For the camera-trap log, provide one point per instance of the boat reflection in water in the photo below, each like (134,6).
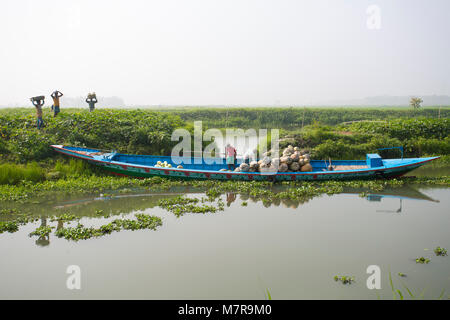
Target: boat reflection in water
(404,193)
(134,202)
(113,206)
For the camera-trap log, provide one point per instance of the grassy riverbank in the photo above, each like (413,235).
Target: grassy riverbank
(25,155)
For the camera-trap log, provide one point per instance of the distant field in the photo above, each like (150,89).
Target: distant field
(274,117)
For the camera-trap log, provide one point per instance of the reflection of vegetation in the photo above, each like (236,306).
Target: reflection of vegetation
(65,217)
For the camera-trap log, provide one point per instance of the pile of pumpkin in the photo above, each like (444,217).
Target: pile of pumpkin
(164,164)
(292,159)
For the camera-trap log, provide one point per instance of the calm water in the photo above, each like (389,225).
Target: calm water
(293,249)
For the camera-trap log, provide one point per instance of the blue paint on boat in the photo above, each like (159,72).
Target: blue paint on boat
(142,166)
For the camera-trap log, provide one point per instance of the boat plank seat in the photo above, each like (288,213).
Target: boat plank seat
(91,153)
(349,167)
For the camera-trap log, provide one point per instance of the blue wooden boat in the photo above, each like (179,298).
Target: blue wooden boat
(143,166)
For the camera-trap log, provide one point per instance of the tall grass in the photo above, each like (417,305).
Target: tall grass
(73,168)
(13,173)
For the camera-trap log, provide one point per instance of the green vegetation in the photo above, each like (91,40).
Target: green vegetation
(423,260)
(291,118)
(80,232)
(300,190)
(268,295)
(344,279)
(131,131)
(8,226)
(181,205)
(42,231)
(322,131)
(440,251)
(12,173)
(149,131)
(397,293)
(419,137)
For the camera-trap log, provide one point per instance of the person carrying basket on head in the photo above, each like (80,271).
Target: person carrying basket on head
(55,107)
(91,101)
(38,102)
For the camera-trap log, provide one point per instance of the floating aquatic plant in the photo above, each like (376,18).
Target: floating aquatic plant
(297,190)
(8,226)
(423,260)
(440,251)
(181,205)
(80,232)
(344,279)
(42,231)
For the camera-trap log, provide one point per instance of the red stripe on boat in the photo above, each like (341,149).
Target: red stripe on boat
(228,176)
(124,167)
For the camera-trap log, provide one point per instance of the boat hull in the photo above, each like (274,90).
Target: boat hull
(391,169)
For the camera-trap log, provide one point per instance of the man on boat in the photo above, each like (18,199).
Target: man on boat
(230,155)
(91,101)
(55,107)
(38,102)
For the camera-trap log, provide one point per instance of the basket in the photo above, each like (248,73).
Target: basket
(38,98)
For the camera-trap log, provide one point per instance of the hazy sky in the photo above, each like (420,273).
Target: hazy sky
(199,52)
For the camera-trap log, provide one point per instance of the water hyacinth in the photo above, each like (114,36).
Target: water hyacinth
(101,184)
(42,231)
(181,205)
(8,226)
(423,260)
(344,279)
(80,232)
(440,251)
